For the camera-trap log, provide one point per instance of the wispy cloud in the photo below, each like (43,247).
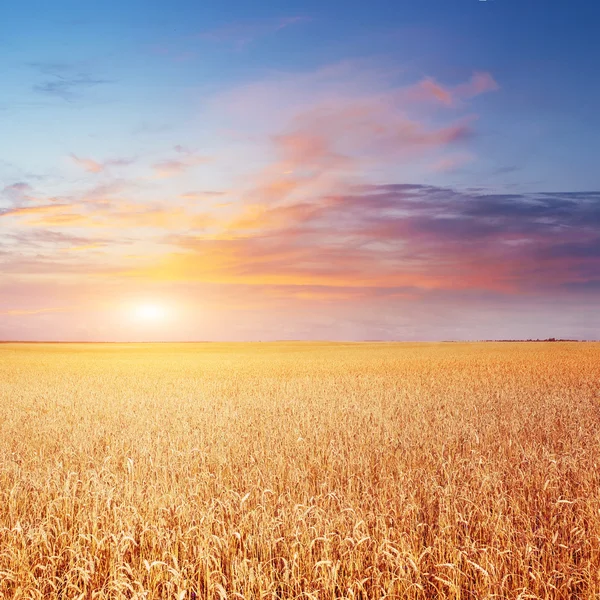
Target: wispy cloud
(430,89)
(107,215)
(18,312)
(243,33)
(64,81)
(40,239)
(480,83)
(173,167)
(203,195)
(33,210)
(17,192)
(87,164)
(93,166)
(452,162)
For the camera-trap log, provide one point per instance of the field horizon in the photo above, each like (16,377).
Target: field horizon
(304,341)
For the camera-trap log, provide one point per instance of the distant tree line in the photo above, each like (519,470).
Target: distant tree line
(537,340)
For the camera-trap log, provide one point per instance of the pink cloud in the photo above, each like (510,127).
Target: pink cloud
(479,84)
(87,164)
(18,192)
(451,163)
(430,90)
(173,167)
(93,166)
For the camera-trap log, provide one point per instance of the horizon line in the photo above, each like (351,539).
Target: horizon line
(315,341)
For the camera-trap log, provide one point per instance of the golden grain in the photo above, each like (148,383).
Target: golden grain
(298,470)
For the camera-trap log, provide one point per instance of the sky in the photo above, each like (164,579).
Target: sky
(384,170)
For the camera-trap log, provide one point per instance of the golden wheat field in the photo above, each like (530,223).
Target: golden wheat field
(299,470)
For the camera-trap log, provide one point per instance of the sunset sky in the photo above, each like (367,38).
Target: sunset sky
(241,170)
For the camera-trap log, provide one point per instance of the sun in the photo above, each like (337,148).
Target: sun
(150,312)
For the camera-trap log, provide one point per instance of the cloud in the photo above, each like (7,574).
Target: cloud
(108,215)
(331,144)
(17,312)
(87,164)
(452,162)
(33,210)
(177,166)
(430,89)
(243,33)
(68,87)
(17,192)
(92,166)
(351,115)
(37,239)
(203,195)
(397,235)
(479,84)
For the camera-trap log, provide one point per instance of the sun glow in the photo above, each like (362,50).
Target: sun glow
(150,312)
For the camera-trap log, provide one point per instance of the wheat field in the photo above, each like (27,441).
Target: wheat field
(300,470)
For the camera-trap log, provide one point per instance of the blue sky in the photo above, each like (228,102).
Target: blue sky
(160,130)
(156,59)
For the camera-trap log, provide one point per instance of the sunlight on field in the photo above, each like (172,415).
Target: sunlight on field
(300,470)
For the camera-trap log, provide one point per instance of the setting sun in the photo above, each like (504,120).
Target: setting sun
(150,312)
